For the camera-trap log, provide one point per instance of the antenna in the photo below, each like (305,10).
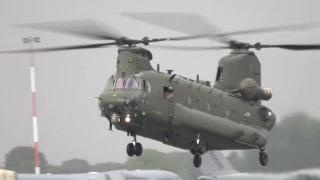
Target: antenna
(30,41)
(169,72)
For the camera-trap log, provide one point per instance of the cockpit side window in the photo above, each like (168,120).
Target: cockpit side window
(129,82)
(110,83)
(219,74)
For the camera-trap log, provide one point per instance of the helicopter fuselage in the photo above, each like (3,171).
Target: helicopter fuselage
(176,110)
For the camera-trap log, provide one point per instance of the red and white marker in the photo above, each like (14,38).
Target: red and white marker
(34,105)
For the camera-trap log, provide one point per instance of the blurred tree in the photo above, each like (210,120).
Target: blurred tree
(75,166)
(21,160)
(53,169)
(148,157)
(293,144)
(175,162)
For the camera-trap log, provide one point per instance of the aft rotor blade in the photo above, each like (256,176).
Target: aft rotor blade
(250,31)
(297,47)
(199,27)
(190,48)
(91,46)
(87,28)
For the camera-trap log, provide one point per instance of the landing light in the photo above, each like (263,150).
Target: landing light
(127,119)
(115,118)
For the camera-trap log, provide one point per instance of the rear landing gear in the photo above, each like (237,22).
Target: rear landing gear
(198,148)
(134,148)
(263,157)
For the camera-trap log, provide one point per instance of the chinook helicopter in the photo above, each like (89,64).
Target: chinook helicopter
(181,112)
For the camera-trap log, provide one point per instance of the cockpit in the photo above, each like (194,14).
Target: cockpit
(130,81)
(126,82)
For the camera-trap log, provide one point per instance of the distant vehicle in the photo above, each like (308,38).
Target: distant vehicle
(7,175)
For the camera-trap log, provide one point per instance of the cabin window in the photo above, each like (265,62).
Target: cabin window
(168,93)
(219,74)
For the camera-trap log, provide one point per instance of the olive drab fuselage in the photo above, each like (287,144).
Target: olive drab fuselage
(175,110)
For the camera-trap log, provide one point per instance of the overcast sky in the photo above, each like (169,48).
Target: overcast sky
(67,82)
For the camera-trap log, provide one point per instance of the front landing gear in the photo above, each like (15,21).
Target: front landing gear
(263,157)
(198,148)
(134,148)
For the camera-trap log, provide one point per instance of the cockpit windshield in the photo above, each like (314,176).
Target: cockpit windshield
(127,82)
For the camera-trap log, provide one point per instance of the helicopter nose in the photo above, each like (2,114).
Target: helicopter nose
(110,100)
(120,102)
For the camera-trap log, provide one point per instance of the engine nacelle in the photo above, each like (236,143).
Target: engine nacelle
(250,90)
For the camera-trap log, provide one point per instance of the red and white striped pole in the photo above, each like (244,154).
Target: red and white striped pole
(30,40)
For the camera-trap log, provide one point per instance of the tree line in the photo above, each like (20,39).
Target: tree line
(293,144)
(21,160)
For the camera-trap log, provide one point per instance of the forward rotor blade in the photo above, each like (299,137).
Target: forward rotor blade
(189,48)
(62,48)
(85,28)
(297,47)
(189,23)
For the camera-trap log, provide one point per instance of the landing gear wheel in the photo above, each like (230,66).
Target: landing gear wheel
(202,147)
(138,149)
(197,161)
(193,148)
(263,158)
(130,149)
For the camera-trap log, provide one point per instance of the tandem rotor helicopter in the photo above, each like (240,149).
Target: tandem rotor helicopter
(178,111)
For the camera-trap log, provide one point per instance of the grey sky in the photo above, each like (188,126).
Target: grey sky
(67,82)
